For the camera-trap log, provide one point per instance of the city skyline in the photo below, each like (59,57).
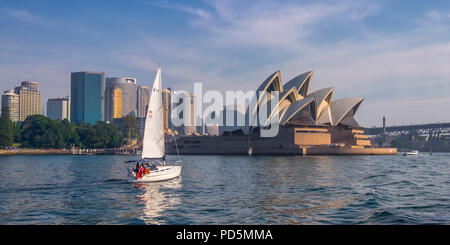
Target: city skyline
(395,56)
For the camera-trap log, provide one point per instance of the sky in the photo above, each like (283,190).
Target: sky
(395,54)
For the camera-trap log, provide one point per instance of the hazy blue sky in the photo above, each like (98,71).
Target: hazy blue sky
(396,54)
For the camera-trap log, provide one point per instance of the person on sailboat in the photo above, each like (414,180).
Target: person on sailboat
(136,169)
(141,171)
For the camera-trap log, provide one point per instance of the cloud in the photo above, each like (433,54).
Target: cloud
(25,16)
(181,74)
(270,23)
(195,11)
(436,15)
(242,30)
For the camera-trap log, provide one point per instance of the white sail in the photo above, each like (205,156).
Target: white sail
(153,144)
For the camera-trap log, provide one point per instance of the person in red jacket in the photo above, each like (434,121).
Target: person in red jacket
(141,171)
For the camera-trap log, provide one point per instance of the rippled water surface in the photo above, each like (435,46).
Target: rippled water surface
(229,190)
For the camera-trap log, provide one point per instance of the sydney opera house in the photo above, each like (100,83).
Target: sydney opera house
(309,123)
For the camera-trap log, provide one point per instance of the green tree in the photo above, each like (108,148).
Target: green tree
(131,126)
(36,132)
(107,135)
(16,131)
(100,135)
(86,134)
(39,131)
(71,137)
(6,131)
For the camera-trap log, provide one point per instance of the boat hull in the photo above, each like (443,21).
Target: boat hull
(163,173)
(411,153)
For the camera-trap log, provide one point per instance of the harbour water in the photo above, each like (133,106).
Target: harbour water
(70,189)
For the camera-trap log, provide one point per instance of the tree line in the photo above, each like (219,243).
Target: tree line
(39,131)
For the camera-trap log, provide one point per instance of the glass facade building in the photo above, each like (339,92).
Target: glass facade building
(87,92)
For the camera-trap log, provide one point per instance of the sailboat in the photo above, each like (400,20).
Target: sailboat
(153,152)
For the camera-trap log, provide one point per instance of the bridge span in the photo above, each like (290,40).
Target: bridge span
(431,129)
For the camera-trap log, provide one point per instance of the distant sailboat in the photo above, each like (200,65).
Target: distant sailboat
(153,153)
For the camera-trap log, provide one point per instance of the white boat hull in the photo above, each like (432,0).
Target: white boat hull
(161,174)
(411,153)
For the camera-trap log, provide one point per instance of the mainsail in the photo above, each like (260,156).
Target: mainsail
(153,143)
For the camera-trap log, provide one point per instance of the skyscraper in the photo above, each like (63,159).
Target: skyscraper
(143,97)
(127,87)
(11,100)
(30,99)
(113,103)
(166,108)
(86,97)
(58,108)
(187,114)
(191,127)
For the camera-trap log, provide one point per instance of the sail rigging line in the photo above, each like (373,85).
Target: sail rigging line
(163,135)
(175,141)
(176,147)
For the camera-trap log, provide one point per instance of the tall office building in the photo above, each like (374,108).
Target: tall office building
(34,86)
(113,103)
(58,108)
(30,99)
(143,96)
(128,93)
(86,97)
(166,108)
(11,100)
(189,126)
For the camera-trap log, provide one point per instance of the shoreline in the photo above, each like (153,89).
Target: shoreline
(21,151)
(35,152)
(310,151)
(89,152)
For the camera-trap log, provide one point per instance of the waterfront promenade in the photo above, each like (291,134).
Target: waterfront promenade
(318,150)
(20,151)
(23,151)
